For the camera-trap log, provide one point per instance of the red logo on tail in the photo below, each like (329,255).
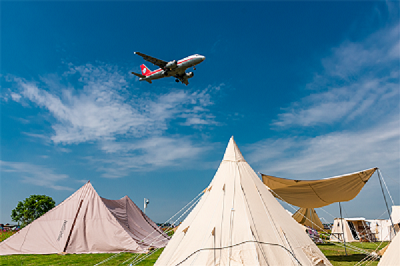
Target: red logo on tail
(145,70)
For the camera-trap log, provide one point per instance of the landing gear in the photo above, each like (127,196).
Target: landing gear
(176,80)
(194,68)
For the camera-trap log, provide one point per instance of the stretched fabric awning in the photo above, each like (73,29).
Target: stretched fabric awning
(318,193)
(308,217)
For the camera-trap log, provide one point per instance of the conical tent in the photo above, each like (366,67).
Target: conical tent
(238,222)
(308,217)
(395,217)
(87,223)
(392,255)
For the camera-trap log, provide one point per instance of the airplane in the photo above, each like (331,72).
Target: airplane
(172,68)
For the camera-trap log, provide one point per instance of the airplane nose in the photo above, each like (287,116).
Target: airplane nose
(202,57)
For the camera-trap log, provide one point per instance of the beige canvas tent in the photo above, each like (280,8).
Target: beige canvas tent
(87,223)
(355,230)
(383,229)
(395,217)
(318,193)
(392,255)
(238,222)
(308,217)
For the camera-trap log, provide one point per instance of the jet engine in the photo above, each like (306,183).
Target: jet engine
(171,65)
(189,75)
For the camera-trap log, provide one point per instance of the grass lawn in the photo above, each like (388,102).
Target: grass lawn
(76,259)
(335,254)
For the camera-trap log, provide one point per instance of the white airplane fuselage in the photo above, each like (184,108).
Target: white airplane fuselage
(178,69)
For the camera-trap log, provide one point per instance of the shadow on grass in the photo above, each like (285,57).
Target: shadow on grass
(349,258)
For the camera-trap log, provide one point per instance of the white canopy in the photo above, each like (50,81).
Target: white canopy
(318,193)
(238,222)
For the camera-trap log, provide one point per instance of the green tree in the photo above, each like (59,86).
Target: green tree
(32,208)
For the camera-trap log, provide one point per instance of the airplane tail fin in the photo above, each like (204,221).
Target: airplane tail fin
(141,77)
(145,70)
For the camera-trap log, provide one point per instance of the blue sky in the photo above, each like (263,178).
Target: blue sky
(308,89)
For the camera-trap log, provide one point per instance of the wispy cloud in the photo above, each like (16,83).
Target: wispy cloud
(15,96)
(146,155)
(98,107)
(356,97)
(98,104)
(360,80)
(35,174)
(330,154)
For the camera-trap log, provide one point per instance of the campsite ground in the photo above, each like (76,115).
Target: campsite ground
(335,254)
(78,259)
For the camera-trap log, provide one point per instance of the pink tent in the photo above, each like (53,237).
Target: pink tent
(87,223)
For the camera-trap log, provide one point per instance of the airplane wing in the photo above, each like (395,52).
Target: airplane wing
(158,62)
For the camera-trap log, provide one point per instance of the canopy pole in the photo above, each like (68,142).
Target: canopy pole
(312,224)
(387,207)
(341,221)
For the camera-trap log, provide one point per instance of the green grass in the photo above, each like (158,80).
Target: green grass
(335,254)
(76,259)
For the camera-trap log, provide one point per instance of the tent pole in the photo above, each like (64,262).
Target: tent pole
(341,221)
(312,225)
(387,207)
(72,227)
(213,233)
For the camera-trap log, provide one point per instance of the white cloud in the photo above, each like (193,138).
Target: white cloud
(97,104)
(98,107)
(15,96)
(334,154)
(360,80)
(330,154)
(35,174)
(146,155)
